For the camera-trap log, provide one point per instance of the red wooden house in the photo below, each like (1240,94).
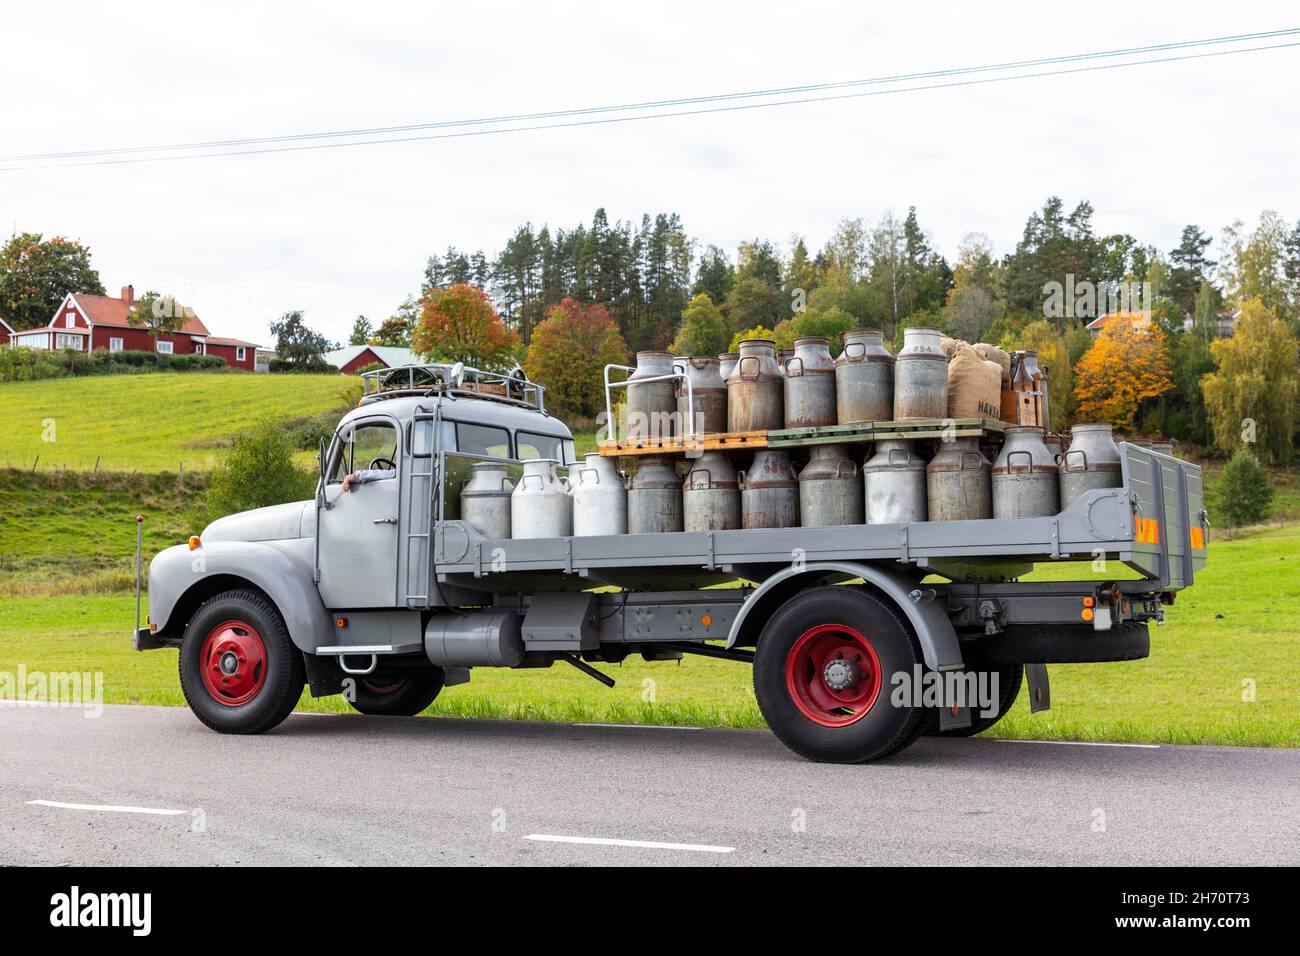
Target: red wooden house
(87,322)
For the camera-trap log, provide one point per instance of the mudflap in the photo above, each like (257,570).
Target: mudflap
(1040,692)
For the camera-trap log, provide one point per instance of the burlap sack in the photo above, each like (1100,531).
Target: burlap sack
(974,385)
(949,346)
(991,353)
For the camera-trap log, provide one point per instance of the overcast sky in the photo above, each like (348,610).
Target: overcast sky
(346,231)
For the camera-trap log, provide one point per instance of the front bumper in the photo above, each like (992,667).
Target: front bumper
(144,639)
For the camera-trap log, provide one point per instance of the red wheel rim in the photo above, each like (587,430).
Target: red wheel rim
(833,675)
(233,663)
(395,684)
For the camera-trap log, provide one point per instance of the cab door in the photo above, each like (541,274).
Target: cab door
(359,529)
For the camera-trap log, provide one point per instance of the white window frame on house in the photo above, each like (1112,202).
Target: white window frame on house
(200,348)
(70,321)
(35,340)
(163,348)
(240,353)
(115,345)
(64,340)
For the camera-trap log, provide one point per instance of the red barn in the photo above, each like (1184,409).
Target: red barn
(87,322)
(6,330)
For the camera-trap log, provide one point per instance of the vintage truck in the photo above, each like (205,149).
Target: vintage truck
(861,638)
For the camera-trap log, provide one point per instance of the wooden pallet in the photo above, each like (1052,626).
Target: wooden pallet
(678,445)
(932,428)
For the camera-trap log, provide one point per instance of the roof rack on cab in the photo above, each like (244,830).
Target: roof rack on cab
(453,379)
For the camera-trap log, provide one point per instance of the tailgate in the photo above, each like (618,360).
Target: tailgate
(1171,527)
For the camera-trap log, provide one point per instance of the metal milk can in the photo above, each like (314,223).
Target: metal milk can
(957,482)
(711,494)
(599,497)
(654,497)
(708,393)
(864,379)
(726,362)
(485,499)
(810,384)
(894,482)
(651,405)
(769,492)
(830,493)
(755,389)
(921,376)
(540,506)
(1026,480)
(1092,461)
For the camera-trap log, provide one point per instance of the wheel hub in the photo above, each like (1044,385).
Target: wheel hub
(833,675)
(233,663)
(842,674)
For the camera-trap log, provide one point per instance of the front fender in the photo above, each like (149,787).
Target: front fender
(935,632)
(283,570)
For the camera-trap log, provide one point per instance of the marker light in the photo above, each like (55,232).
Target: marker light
(194,541)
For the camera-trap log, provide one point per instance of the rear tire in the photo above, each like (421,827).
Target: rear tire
(1069,644)
(402,694)
(822,676)
(240,671)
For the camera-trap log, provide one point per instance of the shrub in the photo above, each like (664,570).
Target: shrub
(1245,496)
(568,355)
(258,471)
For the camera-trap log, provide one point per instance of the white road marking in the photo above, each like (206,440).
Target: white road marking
(107,808)
(640,726)
(641,844)
(1078,743)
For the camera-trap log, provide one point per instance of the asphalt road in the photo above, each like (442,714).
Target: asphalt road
(324,790)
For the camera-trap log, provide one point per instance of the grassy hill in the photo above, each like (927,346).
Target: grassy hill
(149,423)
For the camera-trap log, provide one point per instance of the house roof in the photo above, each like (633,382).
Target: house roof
(107,310)
(390,355)
(1142,318)
(218,340)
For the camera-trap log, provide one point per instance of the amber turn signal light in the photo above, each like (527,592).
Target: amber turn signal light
(194,541)
(340,622)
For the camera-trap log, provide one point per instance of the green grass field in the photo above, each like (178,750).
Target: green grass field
(149,423)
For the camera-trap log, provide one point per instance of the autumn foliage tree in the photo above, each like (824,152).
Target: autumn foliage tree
(459,324)
(568,354)
(1253,395)
(1126,365)
(703,330)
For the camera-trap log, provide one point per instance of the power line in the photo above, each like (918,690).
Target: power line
(658,104)
(265,144)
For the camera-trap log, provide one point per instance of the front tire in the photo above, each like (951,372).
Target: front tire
(240,672)
(397,695)
(822,674)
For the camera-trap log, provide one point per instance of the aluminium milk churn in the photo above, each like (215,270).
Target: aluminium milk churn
(1092,461)
(711,495)
(769,492)
(894,482)
(864,379)
(830,492)
(810,384)
(654,497)
(921,376)
(726,362)
(1026,482)
(755,389)
(540,506)
(957,482)
(651,404)
(708,395)
(599,497)
(485,500)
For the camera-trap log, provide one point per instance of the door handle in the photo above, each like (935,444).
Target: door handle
(384,521)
